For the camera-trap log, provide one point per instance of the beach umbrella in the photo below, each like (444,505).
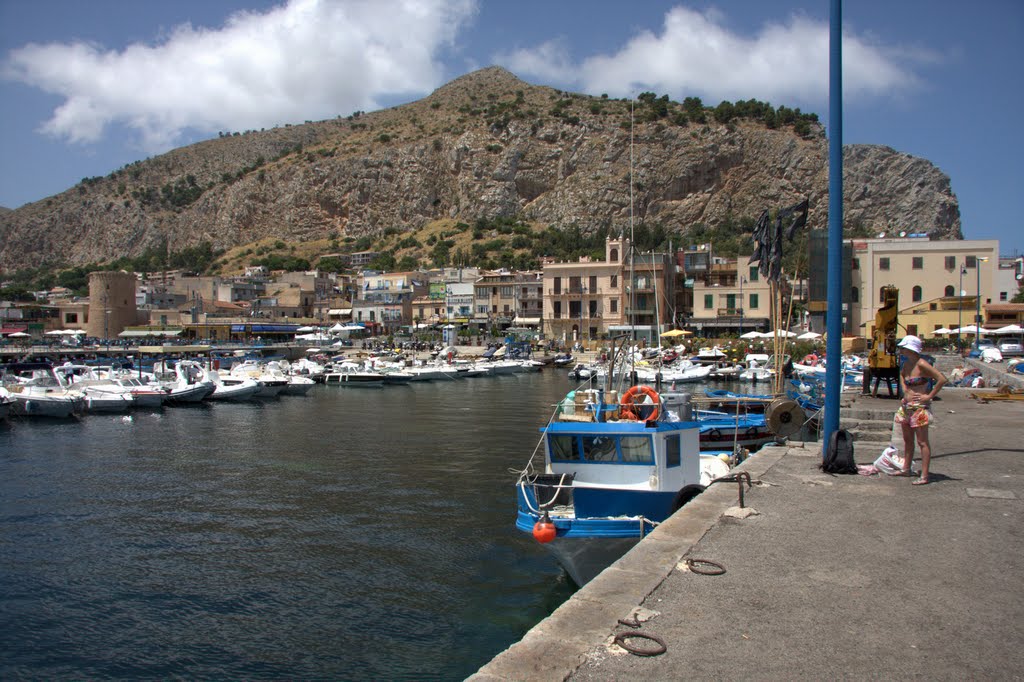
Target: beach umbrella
(969,329)
(74,332)
(339,327)
(1008,329)
(780,332)
(942,331)
(751,335)
(809,336)
(55,332)
(674,332)
(19,335)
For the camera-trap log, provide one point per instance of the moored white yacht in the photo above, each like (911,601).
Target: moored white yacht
(185,381)
(38,392)
(271,385)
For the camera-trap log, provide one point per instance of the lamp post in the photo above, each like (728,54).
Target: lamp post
(960,308)
(977,312)
(743,280)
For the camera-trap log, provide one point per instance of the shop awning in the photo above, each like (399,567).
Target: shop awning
(339,311)
(527,320)
(13,330)
(135,333)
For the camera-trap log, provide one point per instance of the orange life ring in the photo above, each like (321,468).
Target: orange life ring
(629,401)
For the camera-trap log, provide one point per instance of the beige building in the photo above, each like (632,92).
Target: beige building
(583,300)
(503,298)
(384,300)
(939,281)
(730,296)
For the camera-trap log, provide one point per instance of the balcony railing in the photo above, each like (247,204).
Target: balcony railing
(731,312)
(586,315)
(574,291)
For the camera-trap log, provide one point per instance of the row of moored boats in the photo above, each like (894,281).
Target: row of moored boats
(41,389)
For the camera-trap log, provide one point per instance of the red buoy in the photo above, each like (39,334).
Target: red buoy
(544,530)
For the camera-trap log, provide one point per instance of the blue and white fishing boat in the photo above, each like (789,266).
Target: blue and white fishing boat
(612,471)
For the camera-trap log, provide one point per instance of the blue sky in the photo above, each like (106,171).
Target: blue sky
(87,87)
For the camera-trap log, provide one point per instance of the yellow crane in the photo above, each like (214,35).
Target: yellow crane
(883,358)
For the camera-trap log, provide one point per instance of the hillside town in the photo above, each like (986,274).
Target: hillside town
(942,284)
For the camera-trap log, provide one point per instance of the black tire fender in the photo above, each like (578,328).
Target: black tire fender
(685,494)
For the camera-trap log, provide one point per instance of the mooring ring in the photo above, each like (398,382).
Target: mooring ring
(691,564)
(621,638)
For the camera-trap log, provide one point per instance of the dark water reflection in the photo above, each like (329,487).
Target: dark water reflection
(353,533)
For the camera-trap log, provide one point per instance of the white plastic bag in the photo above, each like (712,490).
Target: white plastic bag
(889,462)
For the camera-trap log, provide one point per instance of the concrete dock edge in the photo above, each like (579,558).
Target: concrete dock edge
(555,647)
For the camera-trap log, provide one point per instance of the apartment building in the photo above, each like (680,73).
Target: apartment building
(730,297)
(941,283)
(583,300)
(384,301)
(495,298)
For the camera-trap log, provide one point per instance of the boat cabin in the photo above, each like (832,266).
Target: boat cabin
(619,468)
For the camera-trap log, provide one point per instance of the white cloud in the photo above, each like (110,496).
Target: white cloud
(697,54)
(308,59)
(549,61)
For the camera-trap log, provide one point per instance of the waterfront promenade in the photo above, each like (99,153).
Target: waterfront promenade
(835,576)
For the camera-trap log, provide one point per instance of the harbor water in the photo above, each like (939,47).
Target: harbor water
(354,533)
(349,534)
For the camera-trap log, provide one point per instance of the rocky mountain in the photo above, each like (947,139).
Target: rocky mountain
(485,145)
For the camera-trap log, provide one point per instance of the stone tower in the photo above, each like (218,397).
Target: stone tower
(111,303)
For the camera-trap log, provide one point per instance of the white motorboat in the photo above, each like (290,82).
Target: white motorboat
(227,387)
(352,375)
(38,392)
(756,374)
(306,367)
(6,403)
(99,400)
(146,395)
(528,365)
(502,367)
(672,375)
(298,386)
(101,393)
(271,385)
(186,381)
(295,385)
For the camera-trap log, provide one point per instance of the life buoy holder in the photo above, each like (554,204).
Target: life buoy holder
(629,403)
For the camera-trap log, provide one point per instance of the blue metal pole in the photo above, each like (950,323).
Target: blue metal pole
(977,306)
(960,311)
(834,317)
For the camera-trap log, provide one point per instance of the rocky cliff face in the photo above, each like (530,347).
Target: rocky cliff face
(485,145)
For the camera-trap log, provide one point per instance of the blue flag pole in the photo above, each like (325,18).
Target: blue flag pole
(834,317)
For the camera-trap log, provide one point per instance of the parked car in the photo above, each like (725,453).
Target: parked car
(1011,347)
(985,350)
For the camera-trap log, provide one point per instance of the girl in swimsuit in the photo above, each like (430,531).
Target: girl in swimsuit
(914,415)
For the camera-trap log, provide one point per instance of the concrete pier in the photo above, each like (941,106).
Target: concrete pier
(834,576)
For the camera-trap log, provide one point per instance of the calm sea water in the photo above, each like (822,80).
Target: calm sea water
(349,534)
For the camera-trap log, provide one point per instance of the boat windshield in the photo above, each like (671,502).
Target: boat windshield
(601,449)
